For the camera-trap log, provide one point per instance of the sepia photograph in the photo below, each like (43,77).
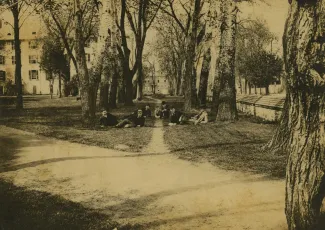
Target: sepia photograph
(162,114)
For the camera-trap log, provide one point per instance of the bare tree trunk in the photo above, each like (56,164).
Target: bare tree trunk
(103,97)
(267,89)
(60,86)
(245,86)
(204,78)
(121,93)
(140,79)
(190,58)
(224,84)
(128,88)
(249,88)
(178,80)
(18,80)
(302,127)
(113,90)
(86,93)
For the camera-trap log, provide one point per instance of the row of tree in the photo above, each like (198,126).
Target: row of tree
(301,132)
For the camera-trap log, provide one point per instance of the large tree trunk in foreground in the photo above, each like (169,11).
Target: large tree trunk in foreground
(224,84)
(18,80)
(190,58)
(88,106)
(204,78)
(302,127)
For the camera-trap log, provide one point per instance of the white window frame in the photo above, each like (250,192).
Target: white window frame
(4,73)
(33,74)
(2,60)
(33,59)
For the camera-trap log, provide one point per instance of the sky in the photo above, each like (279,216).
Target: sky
(274,12)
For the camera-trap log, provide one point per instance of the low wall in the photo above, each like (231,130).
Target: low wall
(267,107)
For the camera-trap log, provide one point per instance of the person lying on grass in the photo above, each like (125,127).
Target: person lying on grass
(201,117)
(176,117)
(107,119)
(136,119)
(146,111)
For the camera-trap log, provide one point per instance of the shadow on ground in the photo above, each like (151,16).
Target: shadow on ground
(28,209)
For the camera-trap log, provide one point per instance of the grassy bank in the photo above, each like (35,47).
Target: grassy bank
(231,146)
(61,118)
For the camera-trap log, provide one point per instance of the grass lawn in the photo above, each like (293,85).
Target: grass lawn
(231,146)
(61,118)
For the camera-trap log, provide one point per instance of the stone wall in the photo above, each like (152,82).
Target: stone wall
(267,107)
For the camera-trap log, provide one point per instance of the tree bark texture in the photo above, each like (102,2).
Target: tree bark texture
(103,99)
(224,82)
(86,91)
(113,90)
(18,80)
(203,87)
(60,86)
(304,115)
(190,58)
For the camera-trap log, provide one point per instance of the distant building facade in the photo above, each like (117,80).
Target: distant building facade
(156,85)
(34,79)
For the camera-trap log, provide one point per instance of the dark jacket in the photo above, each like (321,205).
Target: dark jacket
(110,120)
(137,120)
(146,112)
(174,118)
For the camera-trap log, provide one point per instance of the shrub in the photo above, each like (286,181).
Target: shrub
(71,87)
(9,88)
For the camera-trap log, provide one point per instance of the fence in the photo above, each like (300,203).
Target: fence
(266,107)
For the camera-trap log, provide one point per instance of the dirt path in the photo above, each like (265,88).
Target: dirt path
(154,189)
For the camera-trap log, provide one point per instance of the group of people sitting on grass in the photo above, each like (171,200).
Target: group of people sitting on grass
(137,118)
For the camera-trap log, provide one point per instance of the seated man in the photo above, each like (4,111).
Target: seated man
(175,117)
(136,119)
(146,111)
(107,119)
(201,117)
(164,110)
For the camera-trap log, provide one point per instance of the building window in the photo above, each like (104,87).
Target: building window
(13,60)
(0,24)
(12,45)
(2,45)
(157,81)
(32,44)
(2,75)
(33,32)
(33,59)
(33,74)
(2,60)
(88,57)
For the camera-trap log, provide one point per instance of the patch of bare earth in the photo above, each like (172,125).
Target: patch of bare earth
(151,190)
